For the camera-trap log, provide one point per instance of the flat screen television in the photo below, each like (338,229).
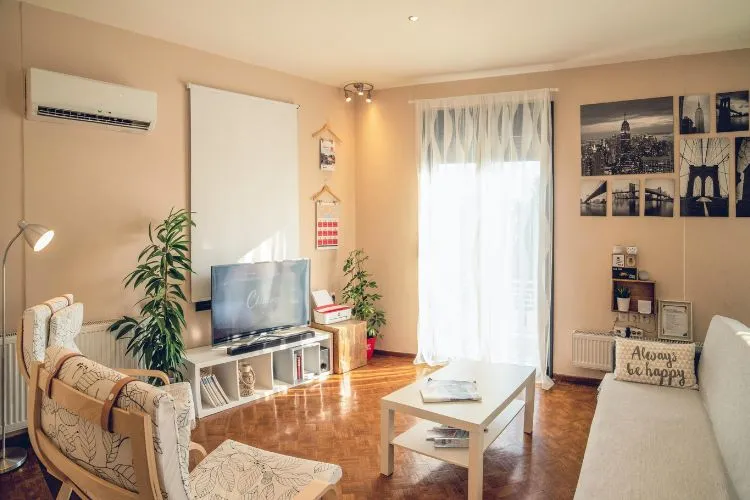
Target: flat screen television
(250,299)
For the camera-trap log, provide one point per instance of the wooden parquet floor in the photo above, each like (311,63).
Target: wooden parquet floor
(338,420)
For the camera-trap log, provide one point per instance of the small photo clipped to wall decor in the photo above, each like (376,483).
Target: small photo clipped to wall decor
(626,197)
(675,320)
(659,198)
(593,197)
(732,111)
(628,137)
(326,225)
(695,115)
(704,177)
(742,163)
(327,154)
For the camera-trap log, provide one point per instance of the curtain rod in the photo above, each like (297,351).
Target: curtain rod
(483,95)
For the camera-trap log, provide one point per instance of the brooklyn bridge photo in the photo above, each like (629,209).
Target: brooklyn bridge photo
(704,177)
(593,197)
(628,137)
(626,196)
(732,111)
(659,197)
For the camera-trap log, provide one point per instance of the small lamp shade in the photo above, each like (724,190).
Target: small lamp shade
(36,236)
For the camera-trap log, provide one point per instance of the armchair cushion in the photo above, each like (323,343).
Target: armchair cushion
(107,454)
(183,401)
(65,325)
(237,471)
(35,328)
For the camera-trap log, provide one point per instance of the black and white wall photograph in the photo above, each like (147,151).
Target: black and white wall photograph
(742,167)
(732,111)
(704,177)
(628,137)
(694,114)
(626,197)
(659,197)
(593,197)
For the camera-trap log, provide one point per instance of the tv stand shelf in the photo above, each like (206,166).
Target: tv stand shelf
(274,368)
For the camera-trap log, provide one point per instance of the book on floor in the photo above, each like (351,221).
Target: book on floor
(443,391)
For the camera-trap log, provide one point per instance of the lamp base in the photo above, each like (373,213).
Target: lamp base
(14,458)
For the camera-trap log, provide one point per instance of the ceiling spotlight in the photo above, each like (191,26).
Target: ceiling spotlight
(360,88)
(413,18)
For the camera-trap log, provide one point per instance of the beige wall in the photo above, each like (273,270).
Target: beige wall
(703,260)
(99,188)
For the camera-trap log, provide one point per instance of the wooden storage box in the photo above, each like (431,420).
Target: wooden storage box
(639,290)
(349,344)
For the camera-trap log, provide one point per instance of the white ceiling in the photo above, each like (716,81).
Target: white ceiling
(337,41)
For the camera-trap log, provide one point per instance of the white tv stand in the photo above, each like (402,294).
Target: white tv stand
(274,369)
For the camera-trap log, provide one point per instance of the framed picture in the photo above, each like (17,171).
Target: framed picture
(675,320)
(659,197)
(732,111)
(704,177)
(593,197)
(626,197)
(628,137)
(694,117)
(742,166)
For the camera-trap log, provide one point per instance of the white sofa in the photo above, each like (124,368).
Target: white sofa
(651,442)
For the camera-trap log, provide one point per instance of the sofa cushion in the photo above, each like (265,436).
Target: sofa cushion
(658,363)
(725,387)
(651,442)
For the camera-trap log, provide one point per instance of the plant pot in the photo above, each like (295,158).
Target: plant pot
(623,305)
(370,347)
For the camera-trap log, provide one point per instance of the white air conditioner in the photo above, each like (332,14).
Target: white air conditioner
(56,96)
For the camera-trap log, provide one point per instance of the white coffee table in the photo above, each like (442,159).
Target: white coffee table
(499,385)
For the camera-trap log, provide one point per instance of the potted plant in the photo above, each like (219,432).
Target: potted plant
(155,338)
(361,292)
(623,298)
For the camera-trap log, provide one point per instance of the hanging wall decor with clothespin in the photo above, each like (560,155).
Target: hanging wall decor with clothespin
(326,219)
(327,147)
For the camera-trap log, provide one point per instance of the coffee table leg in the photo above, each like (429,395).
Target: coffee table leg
(528,410)
(476,466)
(386,436)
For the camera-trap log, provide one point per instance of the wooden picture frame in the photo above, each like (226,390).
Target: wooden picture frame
(675,320)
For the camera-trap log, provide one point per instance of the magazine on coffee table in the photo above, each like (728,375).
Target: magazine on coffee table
(443,391)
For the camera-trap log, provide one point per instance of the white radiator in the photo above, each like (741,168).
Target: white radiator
(94,342)
(593,351)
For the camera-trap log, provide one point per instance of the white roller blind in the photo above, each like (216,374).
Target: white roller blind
(244,180)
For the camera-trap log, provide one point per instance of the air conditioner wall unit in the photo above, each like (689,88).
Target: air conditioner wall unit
(54,96)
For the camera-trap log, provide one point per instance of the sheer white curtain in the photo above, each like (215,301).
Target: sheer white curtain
(485,229)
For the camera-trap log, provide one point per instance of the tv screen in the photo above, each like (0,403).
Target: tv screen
(247,299)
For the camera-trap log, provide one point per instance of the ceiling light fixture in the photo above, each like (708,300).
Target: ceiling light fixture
(360,88)
(414,19)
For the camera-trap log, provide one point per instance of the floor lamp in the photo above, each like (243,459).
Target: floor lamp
(37,237)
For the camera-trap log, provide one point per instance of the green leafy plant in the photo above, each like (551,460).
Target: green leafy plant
(361,292)
(622,292)
(155,339)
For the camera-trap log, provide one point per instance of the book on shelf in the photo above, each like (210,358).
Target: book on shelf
(206,394)
(451,442)
(220,389)
(446,433)
(214,390)
(443,391)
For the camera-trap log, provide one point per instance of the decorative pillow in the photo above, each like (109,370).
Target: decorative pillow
(657,363)
(65,325)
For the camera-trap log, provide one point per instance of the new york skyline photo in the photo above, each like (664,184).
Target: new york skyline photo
(628,137)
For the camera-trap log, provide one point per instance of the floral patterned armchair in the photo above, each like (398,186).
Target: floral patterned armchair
(105,435)
(57,322)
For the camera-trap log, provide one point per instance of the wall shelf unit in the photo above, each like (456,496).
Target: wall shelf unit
(639,290)
(274,367)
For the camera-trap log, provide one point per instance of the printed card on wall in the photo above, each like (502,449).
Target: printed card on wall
(327,225)
(327,154)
